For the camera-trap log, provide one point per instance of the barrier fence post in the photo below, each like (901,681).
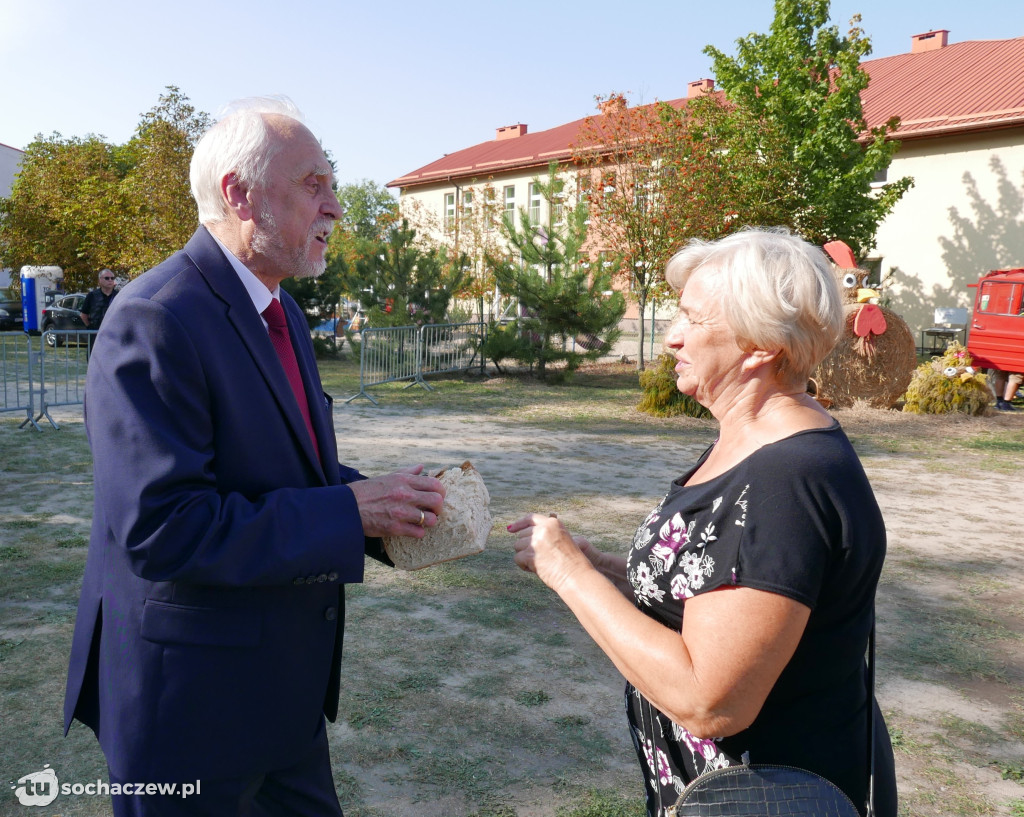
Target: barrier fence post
(362,370)
(35,357)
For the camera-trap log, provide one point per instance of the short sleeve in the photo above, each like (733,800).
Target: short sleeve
(792,529)
(782,549)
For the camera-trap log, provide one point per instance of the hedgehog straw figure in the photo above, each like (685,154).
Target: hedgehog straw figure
(948,384)
(875,356)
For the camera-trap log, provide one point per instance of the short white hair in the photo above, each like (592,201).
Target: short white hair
(778,292)
(238,143)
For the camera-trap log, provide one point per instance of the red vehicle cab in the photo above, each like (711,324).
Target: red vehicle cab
(996,339)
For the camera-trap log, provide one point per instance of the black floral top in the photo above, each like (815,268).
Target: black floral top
(797,517)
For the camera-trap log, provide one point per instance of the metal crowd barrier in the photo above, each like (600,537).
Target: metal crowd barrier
(64,361)
(391,354)
(451,347)
(17,365)
(388,355)
(43,372)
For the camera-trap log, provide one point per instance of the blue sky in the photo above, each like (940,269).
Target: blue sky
(391,86)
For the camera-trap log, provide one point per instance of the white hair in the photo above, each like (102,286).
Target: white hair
(238,143)
(778,292)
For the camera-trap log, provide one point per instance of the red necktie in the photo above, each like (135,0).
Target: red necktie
(277,326)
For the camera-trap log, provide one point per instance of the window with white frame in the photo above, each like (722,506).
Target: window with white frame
(558,200)
(449,211)
(641,189)
(510,203)
(489,208)
(535,198)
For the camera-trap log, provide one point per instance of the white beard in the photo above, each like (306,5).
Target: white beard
(295,261)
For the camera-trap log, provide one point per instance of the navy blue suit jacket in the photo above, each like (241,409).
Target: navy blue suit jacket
(208,638)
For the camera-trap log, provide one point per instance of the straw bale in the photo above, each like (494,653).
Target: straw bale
(879,377)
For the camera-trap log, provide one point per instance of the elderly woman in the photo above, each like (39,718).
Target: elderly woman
(772,544)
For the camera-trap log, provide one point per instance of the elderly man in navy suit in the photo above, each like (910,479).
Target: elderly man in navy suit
(208,641)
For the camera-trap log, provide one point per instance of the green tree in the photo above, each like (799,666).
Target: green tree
(157,212)
(563,295)
(660,175)
(317,297)
(367,210)
(58,209)
(85,204)
(401,282)
(807,79)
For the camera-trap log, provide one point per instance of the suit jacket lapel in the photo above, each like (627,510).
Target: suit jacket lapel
(242,315)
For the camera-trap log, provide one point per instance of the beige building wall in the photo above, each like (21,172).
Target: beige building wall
(963,217)
(425,206)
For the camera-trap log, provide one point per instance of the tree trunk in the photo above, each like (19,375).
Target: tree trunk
(642,305)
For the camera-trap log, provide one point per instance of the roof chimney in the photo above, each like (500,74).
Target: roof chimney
(929,41)
(699,87)
(511,132)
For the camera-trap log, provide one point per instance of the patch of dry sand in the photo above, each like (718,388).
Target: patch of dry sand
(950,510)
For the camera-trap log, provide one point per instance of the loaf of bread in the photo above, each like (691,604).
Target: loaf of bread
(462,527)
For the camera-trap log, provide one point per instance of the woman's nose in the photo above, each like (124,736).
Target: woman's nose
(674,335)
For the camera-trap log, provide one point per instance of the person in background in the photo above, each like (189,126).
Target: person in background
(1007,384)
(741,614)
(208,641)
(98,300)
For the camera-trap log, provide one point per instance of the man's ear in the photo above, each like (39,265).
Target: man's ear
(236,197)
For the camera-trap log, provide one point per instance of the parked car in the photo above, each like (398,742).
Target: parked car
(63,314)
(996,339)
(10,310)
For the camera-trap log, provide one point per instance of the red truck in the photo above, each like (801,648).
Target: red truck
(996,339)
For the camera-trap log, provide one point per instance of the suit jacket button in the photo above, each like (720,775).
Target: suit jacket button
(321,578)
(299,581)
(332,576)
(331,613)
(310,579)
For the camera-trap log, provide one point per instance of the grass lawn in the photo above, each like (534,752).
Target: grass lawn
(469,689)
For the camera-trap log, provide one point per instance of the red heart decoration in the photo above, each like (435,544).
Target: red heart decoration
(869,320)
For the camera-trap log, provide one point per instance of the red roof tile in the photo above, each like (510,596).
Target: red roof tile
(532,149)
(965,86)
(976,85)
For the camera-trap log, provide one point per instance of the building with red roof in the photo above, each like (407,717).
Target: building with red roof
(961,111)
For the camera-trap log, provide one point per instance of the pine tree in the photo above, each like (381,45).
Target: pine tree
(400,282)
(566,303)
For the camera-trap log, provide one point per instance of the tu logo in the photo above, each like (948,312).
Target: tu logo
(38,788)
